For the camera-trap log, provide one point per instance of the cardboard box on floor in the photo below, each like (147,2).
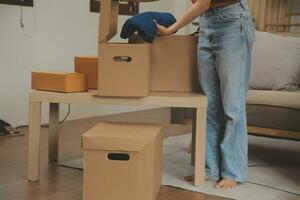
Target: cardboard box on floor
(122,161)
(59,81)
(173,63)
(88,65)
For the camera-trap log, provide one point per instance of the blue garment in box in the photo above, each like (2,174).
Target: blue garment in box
(145,24)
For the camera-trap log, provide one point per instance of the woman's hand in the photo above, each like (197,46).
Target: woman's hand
(198,7)
(161,30)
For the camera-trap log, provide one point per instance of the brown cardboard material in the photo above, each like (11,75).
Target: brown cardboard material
(108,20)
(108,25)
(88,65)
(136,177)
(173,63)
(59,81)
(124,70)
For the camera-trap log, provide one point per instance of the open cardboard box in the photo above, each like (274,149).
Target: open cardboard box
(173,63)
(109,18)
(133,70)
(124,70)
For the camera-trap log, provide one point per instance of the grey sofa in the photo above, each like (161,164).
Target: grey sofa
(273,101)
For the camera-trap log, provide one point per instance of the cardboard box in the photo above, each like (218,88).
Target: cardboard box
(108,25)
(124,70)
(173,63)
(88,65)
(109,12)
(122,161)
(59,81)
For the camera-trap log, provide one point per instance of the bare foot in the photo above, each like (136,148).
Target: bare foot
(226,184)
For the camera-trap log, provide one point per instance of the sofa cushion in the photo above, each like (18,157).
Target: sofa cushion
(275,62)
(274,98)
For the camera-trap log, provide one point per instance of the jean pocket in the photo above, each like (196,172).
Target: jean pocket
(229,16)
(249,29)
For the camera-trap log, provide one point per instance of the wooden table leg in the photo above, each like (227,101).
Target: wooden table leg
(34,141)
(53,131)
(178,116)
(200,140)
(194,120)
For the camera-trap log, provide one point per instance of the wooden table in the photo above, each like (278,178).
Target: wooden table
(156,99)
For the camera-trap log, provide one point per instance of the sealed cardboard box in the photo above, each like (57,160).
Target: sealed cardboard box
(59,81)
(122,161)
(124,70)
(173,63)
(88,65)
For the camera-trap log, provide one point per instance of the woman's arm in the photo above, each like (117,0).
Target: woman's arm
(198,7)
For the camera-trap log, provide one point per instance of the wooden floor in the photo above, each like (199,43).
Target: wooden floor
(59,183)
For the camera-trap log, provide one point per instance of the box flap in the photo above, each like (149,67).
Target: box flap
(52,72)
(108,25)
(109,12)
(120,136)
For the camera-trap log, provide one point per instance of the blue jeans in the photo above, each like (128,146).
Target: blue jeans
(224,63)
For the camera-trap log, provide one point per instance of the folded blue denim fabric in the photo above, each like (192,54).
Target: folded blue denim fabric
(145,24)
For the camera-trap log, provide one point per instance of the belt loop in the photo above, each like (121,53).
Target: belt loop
(215,11)
(242,5)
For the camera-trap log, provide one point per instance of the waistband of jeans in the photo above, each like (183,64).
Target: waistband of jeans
(213,11)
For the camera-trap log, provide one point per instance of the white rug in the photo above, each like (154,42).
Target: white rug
(274,169)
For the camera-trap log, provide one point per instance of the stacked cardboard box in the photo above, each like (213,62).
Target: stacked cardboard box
(123,161)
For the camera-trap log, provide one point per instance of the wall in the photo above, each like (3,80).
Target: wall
(55,31)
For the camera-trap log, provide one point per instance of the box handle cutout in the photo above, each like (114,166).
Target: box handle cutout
(122,59)
(118,156)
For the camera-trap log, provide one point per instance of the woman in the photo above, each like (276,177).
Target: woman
(224,62)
